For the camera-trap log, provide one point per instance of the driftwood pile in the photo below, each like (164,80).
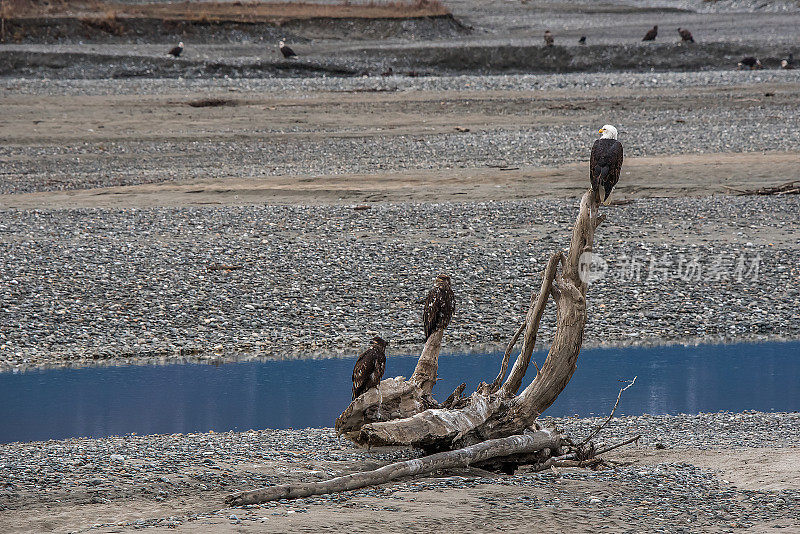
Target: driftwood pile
(494,428)
(789,188)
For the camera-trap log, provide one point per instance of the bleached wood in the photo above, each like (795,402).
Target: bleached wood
(487,415)
(481,452)
(427,369)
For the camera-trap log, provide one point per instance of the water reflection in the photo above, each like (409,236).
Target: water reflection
(95,402)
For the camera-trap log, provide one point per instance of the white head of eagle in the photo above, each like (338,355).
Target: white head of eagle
(608,131)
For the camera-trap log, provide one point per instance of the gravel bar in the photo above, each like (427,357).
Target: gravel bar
(170,468)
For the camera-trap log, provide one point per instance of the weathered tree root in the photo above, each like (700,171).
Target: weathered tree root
(494,410)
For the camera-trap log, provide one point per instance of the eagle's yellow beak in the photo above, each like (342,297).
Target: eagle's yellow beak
(601,130)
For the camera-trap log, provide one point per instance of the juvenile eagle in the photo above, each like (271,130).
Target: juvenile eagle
(750,62)
(285,50)
(651,35)
(176,50)
(439,306)
(582,40)
(369,367)
(548,38)
(686,35)
(605,163)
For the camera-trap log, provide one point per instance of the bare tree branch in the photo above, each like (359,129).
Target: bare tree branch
(618,445)
(514,380)
(601,427)
(488,389)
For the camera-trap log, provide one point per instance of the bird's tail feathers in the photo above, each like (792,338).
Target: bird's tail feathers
(600,179)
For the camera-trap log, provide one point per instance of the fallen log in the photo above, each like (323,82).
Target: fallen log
(474,454)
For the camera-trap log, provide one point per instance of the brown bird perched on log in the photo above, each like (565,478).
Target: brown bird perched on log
(651,35)
(439,306)
(548,38)
(686,35)
(369,367)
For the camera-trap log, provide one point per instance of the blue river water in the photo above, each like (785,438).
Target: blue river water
(103,401)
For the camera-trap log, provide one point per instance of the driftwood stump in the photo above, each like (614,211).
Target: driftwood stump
(495,428)
(403,412)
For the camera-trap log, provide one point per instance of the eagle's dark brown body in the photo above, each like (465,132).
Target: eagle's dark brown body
(548,38)
(750,62)
(369,367)
(286,51)
(605,165)
(176,51)
(686,35)
(439,306)
(651,35)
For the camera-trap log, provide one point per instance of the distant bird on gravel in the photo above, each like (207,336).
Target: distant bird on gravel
(651,35)
(439,306)
(548,38)
(750,62)
(605,163)
(582,40)
(176,50)
(686,35)
(369,367)
(788,62)
(285,50)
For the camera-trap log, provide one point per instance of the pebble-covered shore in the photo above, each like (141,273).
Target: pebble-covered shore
(744,120)
(133,285)
(159,468)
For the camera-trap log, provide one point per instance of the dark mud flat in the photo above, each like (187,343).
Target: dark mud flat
(441,59)
(62,30)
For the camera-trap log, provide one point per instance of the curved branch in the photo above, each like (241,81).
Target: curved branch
(488,389)
(514,380)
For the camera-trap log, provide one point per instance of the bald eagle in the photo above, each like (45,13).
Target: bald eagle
(651,35)
(369,367)
(686,35)
(548,38)
(750,62)
(285,50)
(176,50)
(788,62)
(439,306)
(605,163)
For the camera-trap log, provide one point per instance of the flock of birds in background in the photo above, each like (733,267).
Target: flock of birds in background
(605,166)
(747,62)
